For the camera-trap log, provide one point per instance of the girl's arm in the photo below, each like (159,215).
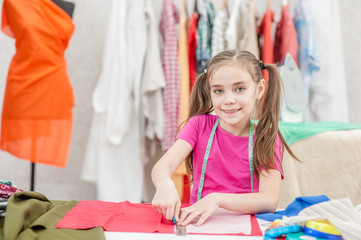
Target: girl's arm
(166,199)
(266,200)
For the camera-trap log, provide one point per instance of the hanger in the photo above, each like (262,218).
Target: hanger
(224,4)
(196,6)
(268,4)
(184,6)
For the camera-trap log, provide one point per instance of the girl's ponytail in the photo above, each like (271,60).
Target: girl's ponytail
(200,98)
(199,103)
(267,126)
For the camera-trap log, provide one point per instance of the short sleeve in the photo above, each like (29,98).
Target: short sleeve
(189,133)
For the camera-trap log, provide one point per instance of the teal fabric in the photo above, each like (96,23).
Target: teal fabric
(293,132)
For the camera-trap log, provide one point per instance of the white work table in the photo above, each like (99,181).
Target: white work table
(163,236)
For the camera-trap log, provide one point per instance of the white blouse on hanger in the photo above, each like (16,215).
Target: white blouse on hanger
(235,25)
(219,42)
(113,153)
(328,93)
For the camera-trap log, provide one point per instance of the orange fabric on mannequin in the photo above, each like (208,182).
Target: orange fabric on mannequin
(37,111)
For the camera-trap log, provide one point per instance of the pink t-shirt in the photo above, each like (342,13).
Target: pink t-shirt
(227,169)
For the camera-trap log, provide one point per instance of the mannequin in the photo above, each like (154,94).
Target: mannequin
(37,127)
(68,7)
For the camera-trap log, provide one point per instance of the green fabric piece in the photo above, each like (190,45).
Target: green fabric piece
(293,132)
(30,215)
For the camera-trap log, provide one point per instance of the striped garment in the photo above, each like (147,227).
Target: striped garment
(340,213)
(219,42)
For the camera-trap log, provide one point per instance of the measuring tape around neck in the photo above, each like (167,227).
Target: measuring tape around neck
(208,149)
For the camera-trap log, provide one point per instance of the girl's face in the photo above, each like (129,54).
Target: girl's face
(234,94)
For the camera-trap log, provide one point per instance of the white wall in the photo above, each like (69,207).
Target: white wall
(84,57)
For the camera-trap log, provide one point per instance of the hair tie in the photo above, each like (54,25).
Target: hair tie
(205,71)
(261,64)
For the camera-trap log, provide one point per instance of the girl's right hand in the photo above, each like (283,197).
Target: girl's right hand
(166,200)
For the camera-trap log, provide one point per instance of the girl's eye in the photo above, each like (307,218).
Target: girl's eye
(218,91)
(240,89)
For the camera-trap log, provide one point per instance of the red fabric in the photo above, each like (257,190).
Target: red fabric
(265,29)
(116,217)
(286,37)
(256,230)
(124,217)
(192,45)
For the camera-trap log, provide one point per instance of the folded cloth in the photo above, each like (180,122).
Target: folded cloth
(143,218)
(30,215)
(294,208)
(339,212)
(6,190)
(293,132)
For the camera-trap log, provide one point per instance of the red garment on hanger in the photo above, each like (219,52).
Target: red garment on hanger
(125,217)
(286,37)
(192,45)
(37,112)
(265,29)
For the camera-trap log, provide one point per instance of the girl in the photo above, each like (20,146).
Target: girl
(235,162)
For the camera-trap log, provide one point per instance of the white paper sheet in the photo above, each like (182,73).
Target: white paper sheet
(223,222)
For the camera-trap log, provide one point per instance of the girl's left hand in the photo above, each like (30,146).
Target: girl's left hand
(203,209)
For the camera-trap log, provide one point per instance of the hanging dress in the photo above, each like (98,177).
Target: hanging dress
(328,89)
(37,111)
(286,37)
(112,157)
(219,42)
(204,37)
(192,45)
(265,31)
(307,57)
(171,94)
(235,26)
(249,39)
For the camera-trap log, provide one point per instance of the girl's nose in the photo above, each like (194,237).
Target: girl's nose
(230,98)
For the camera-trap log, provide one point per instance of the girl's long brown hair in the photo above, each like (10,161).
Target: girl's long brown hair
(267,114)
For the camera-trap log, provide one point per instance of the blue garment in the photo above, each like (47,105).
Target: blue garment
(294,208)
(307,59)
(204,36)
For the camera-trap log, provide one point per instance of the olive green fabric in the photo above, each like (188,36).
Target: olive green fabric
(1,227)
(30,215)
